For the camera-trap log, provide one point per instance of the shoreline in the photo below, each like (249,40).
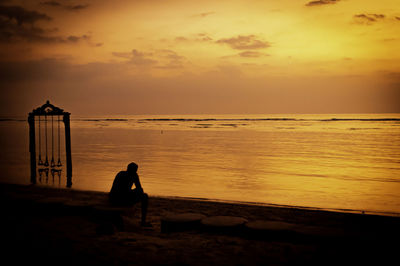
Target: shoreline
(264,204)
(82,224)
(250,203)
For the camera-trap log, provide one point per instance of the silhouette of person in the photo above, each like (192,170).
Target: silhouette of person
(122,194)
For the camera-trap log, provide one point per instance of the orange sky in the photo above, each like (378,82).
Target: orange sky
(200,57)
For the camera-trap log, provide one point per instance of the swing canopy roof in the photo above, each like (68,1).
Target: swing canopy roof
(48,109)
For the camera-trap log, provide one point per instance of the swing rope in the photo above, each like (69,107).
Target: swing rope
(46,163)
(40,146)
(46,171)
(40,174)
(52,174)
(52,164)
(59,150)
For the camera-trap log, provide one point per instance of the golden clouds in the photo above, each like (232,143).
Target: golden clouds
(368,18)
(187,41)
(251,54)
(69,7)
(163,59)
(322,2)
(241,42)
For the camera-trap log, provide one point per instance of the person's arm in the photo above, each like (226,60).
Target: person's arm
(137,183)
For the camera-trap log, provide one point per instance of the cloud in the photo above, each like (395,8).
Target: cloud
(322,2)
(169,54)
(398,18)
(137,58)
(248,42)
(12,32)
(200,37)
(163,59)
(66,7)
(77,7)
(173,60)
(203,37)
(141,59)
(51,3)
(368,18)
(389,39)
(18,24)
(181,39)
(204,14)
(245,54)
(75,39)
(253,54)
(122,55)
(21,15)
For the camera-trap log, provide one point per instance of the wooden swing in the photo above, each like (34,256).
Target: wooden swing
(49,166)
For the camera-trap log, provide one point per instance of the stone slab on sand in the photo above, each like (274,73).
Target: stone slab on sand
(223,221)
(175,222)
(223,224)
(282,231)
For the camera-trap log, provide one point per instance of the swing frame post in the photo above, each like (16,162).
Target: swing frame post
(68,148)
(32,146)
(46,110)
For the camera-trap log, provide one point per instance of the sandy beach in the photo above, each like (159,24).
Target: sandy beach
(65,226)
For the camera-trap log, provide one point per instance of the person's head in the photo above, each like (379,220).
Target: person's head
(132,168)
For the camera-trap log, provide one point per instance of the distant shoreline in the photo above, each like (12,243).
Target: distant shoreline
(222,118)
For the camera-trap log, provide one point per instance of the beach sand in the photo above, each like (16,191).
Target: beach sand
(65,226)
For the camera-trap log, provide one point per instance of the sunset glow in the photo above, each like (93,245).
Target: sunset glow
(158,57)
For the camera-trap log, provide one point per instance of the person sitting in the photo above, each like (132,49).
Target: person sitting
(122,194)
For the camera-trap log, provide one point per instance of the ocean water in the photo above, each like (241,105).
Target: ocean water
(342,162)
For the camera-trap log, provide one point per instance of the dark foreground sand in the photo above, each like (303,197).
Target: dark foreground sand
(70,227)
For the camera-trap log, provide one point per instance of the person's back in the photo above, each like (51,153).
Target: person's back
(122,194)
(121,188)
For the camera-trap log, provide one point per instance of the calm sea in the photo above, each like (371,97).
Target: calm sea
(342,162)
